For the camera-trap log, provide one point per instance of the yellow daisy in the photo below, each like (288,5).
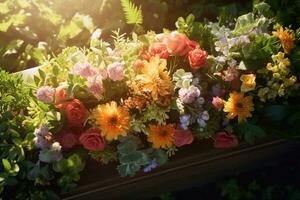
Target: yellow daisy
(240,106)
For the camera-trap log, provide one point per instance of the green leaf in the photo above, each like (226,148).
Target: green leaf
(262,8)
(249,132)
(133,14)
(6,164)
(127,147)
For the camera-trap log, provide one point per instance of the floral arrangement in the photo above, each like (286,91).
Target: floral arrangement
(140,100)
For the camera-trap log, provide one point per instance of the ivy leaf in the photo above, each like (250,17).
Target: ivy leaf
(249,132)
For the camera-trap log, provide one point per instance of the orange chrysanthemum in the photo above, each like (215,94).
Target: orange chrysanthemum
(161,136)
(240,106)
(286,39)
(112,120)
(155,81)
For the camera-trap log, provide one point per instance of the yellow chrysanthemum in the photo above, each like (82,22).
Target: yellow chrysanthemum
(248,82)
(238,105)
(287,39)
(155,81)
(112,120)
(161,136)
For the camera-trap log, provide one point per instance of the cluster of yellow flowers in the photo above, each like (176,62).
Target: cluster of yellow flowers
(281,80)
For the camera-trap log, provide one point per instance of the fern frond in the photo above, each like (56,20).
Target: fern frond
(133,14)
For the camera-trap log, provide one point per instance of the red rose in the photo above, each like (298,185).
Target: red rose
(197,58)
(191,45)
(67,139)
(76,113)
(92,140)
(182,137)
(157,48)
(225,140)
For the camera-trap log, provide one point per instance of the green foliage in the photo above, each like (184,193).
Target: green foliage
(156,113)
(131,159)
(69,168)
(249,132)
(196,31)
(13,94)
(132,13)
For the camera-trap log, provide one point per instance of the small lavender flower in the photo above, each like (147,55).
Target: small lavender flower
(225,122)
(52,154)
(205,115)
(151,166)
(188,95)
(116,71)
(40,140)
(201,122)
(185,121)
(45,94)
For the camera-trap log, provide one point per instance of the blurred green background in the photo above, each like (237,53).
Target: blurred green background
(32,29)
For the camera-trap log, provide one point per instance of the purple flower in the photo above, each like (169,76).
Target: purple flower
(116,71)
(40,140)
(151,166)
(201,122)
(45,94)
(95,86)
(84,69)
(52,154)
(188,95)
(185,121)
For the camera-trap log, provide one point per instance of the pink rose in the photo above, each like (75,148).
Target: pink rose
(75,112)
(176,43)
(67,139)
(218,103)
(92,140)
(197,58)
(60,94)
(225,140)
(182,137)
(157,48)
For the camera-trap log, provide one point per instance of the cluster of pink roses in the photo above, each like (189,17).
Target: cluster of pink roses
(179,44)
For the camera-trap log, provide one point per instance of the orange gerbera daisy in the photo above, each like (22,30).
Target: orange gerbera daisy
(113,121)
(286,39)
(161,136)
(240,106)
